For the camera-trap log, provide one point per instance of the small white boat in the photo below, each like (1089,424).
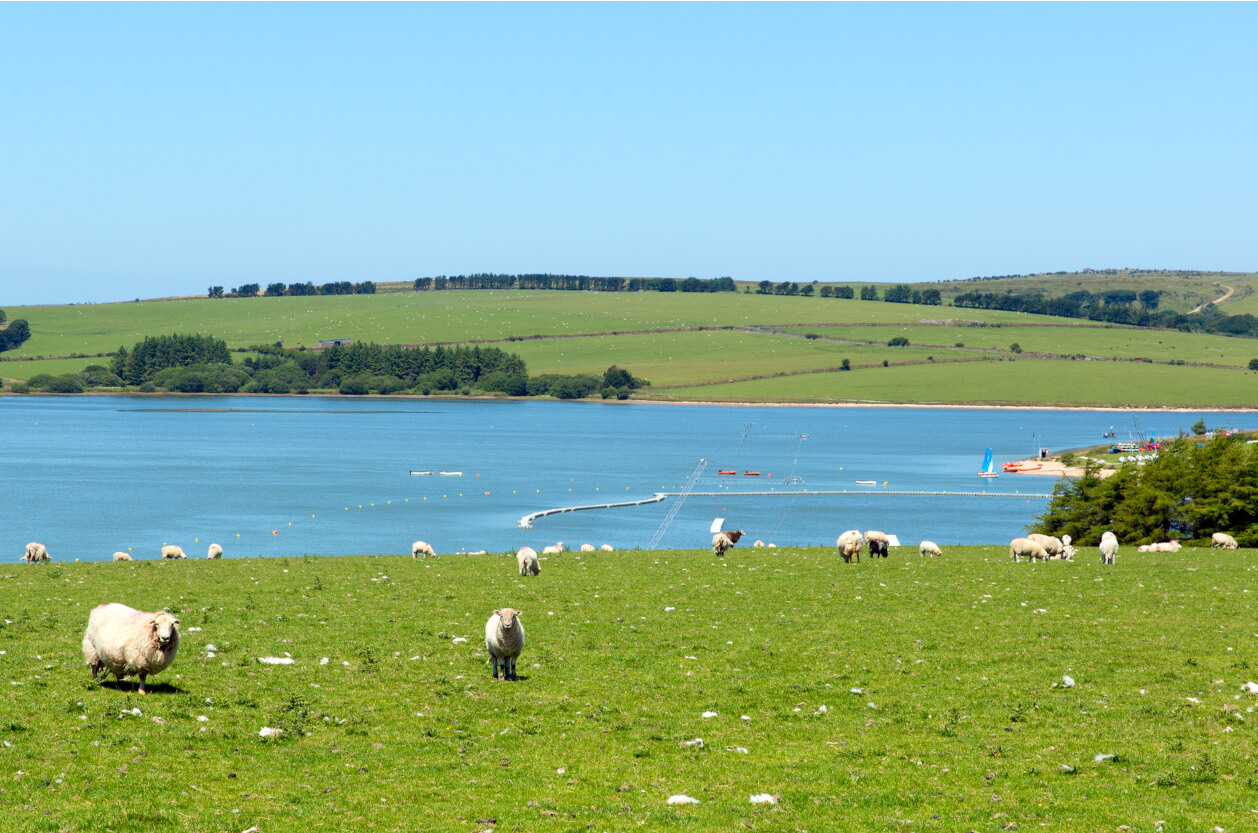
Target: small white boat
(866,482)
(451,473)
(989,468)
(422,473)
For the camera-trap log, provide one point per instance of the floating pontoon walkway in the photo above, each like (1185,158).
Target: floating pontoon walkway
(527,521)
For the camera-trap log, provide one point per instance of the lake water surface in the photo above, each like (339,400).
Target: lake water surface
(278,476)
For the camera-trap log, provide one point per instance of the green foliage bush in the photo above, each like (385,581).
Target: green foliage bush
(354,386)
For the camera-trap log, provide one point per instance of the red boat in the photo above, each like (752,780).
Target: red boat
(729,471)
(751,474)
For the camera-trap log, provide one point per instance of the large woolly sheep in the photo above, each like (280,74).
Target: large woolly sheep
(421,547)
(607,548)
(527,559)
(722,541)
(504,640)
(587,548)
(928,548)
(129,643)
(1160,546)
(1108,548)
(758,544)
(878,543)
(850,544)
(1025,546)
(171,551)
(1052,545)
(36,552)
(553,549)
(215,551)
(122,556)
(1222,539)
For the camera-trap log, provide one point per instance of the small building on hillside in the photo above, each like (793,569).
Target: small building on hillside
(335,342)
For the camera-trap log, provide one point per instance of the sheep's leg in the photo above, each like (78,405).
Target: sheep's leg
(494,673)
(143,676)
(510,669)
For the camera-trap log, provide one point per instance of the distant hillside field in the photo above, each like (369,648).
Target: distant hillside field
(708,347)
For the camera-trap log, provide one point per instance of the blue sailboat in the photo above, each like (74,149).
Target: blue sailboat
(989,468)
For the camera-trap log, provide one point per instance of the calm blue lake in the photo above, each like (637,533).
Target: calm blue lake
(287,476)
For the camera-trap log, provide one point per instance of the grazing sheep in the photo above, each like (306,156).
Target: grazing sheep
(122,556)
(850,544)
(504,640)
(587,548)
(554,549)
(722,541)
(1027,547)
(1053,546)
(607,548)
(1222,539)
(171,551)
(1160,546)
(527,559)
(422,547)
(129,643)
(878,543)
(928,548)
(215,551)
(759,544)
(36,552)
(1108,548)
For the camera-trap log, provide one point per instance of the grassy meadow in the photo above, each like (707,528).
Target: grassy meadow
(892,694)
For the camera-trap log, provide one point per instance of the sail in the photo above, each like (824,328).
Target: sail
(987,460)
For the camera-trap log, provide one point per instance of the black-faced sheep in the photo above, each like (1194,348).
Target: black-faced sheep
(722,541)
(850,544)
(129,643)
(526,558)
(878,543)
(504,640)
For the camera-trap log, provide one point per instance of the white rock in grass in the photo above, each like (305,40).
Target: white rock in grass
(1067,681)
(1192,699)
(746,717)
(1101,758)
(763,798)
(682,799)
(742,750)
(458,639)
(1251,688)
(276,660)
(323,661)
(707,715)
(268,732)
(696,742)
(857,690)
(202,718)
(822,709)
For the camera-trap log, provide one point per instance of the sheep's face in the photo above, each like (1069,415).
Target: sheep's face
(735,535)
(165,629)
(506,618)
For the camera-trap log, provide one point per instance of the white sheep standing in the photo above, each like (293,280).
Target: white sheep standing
(607,548)
(129,643)
(1222,539)
(504,640)
(1108,548)
(1051,544)
(850,544)
(878,543)
(421,546)
(928,548)
(527,559)
(587,548)
(1027,547)
(215,551)
(122,556)
(722,541)
(36,552)
(171,551)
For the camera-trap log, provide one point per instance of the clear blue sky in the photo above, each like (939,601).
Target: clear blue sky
(156,149)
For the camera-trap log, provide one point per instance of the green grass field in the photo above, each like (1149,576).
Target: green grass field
(941,681)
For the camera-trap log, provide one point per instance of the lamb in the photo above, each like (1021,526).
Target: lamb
(215,551)
(421,546)
(607,548)
(587,548)
(122,556)
(722,541)
(129,643)
(554,549)
(1108,548)
(1027,547)
(36,552)
(504,640)
(878,543)
(171,551)
(850,544)
(1067,551)
(759,544)
(928,548)
(527,559)
(1052,545)
(1222,539)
